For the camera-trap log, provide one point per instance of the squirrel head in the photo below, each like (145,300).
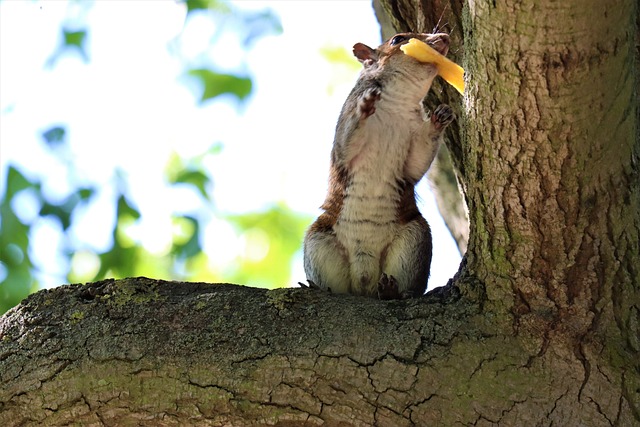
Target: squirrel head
(388,54)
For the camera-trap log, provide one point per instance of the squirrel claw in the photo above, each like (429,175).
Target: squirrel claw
(442,116)
(367,102)
(312,285)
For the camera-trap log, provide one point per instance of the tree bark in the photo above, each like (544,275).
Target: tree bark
(552,161)
(145,352)
(541,325)
(552,182)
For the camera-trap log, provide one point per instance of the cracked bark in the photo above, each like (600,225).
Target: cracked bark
(146,352)
(541,326)
(162,353)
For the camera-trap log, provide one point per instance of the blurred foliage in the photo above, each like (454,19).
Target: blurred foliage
(267,240)
(254,24)
(14,243)
(345,65)
(193,5)
(215,84)
(271,239)
(73,41)
(54,136)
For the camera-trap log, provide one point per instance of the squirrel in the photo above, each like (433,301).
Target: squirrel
(371,239)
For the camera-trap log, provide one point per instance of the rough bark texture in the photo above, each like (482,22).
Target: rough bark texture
(552,171)
(552,180)
(145,352)
(541,326)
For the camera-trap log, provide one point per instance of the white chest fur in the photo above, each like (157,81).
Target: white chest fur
(368,220)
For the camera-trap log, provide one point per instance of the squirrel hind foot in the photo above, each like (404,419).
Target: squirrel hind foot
(388,288)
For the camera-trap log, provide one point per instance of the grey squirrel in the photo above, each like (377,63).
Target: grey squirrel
(371,239)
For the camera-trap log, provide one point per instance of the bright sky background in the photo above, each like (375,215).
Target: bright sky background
(126,108)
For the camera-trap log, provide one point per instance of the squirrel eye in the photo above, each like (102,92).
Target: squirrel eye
(397,39)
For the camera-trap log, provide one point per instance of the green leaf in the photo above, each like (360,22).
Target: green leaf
(14,232)
(63,211)
(123,258)
(14,244)
(195,178)
(15,287)
(17,182)
(71,41)
(119,261)
(199,5)
(75,40)
(213,5)
(54,136)
(13,255)
(58,211)
(215,84)
(187,245)
(86,193)
(126,209)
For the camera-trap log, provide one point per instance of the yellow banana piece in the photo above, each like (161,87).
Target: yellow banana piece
(448,70)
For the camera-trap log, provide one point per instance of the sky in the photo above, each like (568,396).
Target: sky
(128,108)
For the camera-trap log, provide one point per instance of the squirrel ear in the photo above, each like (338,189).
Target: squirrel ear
(365,54)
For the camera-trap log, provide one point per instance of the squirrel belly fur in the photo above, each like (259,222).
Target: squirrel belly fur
(371,239)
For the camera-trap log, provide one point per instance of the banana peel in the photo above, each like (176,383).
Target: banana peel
(447,69)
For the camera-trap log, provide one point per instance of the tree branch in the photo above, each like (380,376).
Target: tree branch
(221,353)
(146,352)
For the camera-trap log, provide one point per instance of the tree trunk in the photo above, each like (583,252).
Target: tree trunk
(552,187)
(541,326)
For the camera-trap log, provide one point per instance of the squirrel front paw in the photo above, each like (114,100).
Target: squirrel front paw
(367,102)
(442,117)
